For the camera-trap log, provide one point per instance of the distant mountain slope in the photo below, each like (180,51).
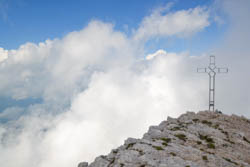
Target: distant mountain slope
(208,139)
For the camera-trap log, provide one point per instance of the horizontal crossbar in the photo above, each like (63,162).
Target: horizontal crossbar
(221,70)
(202,70)
(216,70)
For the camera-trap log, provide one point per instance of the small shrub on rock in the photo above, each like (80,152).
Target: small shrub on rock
(211,145)
(206,122)
(158,148)
(181,136)
(167,140)
(204,157)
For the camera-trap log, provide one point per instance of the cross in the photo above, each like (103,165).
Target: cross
(212,70)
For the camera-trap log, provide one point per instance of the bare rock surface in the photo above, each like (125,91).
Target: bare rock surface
(209,139)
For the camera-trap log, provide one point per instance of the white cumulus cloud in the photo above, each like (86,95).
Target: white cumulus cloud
(3,54)
(98,116)
(182,23)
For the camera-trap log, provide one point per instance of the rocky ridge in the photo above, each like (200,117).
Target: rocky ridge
(209,139)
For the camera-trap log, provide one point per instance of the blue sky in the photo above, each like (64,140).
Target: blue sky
(35,21)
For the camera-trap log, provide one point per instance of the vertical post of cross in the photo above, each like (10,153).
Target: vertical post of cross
(212,74)
(212,70)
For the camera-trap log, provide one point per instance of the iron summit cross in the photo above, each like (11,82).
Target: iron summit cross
(212,70)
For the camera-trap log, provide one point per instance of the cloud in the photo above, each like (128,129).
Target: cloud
(98,117)
(181,23)
(97,72)
(54,68)
(3,54)
(158,53)
(234,53)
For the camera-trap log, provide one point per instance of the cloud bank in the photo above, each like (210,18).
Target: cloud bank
(182,23)
(234,52)
(97,88)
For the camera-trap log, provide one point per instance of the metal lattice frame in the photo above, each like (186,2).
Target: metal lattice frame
(212,70)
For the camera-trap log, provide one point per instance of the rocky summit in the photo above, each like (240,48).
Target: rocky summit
(209,139)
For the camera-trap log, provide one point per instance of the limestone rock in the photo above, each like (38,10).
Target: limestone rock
(209,139)
(83,164)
